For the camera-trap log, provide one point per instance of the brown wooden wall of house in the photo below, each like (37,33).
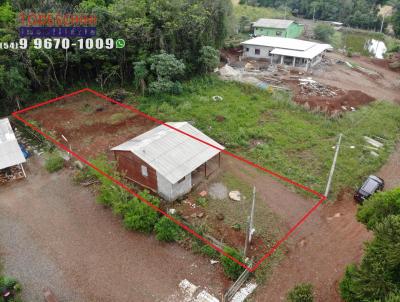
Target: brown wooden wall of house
(131,166)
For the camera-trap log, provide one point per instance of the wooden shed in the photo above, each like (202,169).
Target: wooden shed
(168,159)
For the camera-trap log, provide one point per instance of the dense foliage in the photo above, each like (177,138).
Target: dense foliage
(11,285)
(323,32)
(377,278)
(169,28)
(301,293)
(167,230)
(360,13)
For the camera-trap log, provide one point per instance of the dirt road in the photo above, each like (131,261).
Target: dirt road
(320,256)
(385,87)
(53,234)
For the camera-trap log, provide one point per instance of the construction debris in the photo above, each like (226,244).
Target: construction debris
(10,174)
(373,142)
(310,87)
(235,195)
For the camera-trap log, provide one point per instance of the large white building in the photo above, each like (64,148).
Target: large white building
(285,51)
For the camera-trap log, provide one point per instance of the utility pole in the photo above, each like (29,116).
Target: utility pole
(383,21)
(250,224)
(328,185)
(313,14)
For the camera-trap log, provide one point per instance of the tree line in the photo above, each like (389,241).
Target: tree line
(166,40)
(354,13)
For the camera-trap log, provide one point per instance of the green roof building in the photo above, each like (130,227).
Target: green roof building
(278,28)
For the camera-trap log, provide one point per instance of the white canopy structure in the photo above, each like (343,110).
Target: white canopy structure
(10,152)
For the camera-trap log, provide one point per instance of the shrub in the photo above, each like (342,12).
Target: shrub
(378,207)
(140,216)
(301,293)
(54,162)
(167,230)
(209,251)
(231,269)
(323,32)
(209,58)
(202,201)
(378,275)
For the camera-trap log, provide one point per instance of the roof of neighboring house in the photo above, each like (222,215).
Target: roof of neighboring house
(279,42)
(10,152)
(289,47)
(272,23)
(170,152)
(310,53)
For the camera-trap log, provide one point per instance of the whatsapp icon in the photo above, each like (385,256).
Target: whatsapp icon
(120,43)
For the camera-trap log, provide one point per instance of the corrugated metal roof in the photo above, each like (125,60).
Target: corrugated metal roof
(10,152)
(279,42)
(171,153)
(307,54)
(272,23)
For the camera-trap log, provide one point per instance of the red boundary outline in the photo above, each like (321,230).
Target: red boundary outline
(276,175)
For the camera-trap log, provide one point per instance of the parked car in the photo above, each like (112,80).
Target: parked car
(369,187)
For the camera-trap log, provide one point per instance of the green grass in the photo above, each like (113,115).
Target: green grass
(294,142)
(356,39)
(254,12)
(54,162)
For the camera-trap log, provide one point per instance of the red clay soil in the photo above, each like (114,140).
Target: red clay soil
(331,105)
(92,132)
(319,253)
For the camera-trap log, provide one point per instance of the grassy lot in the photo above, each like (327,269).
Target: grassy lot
(356,39)
(274,132)
(254,12)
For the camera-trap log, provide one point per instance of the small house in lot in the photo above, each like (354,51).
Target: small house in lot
(277,28)
(10,152)
(168,159)
(291,52)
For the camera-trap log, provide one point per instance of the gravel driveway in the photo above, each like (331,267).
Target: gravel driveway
(54,235)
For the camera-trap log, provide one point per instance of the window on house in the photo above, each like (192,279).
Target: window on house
(257,51)
(247,49)
(144,171)
(278,33)
(181,180)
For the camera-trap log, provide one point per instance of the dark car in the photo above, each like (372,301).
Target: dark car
(369,187)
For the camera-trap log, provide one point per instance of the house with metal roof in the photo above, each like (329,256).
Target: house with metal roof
(10,152)
(277,28)
(285,51)
(168,158)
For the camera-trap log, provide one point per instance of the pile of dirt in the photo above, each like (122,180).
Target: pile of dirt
(320,97)
(346,101)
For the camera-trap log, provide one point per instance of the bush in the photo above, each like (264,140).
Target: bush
(378,207)
(209,58)
(231,269)
(167,230)
(301,293)
(54,162)
(378,275)
(7,283)
(209,251)
(323,32)
(140,216)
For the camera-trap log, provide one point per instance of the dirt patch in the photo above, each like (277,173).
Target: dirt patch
(55,235)
(327,98)
(218,191)
(91,125)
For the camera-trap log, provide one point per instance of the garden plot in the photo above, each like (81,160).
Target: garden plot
(89,125)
